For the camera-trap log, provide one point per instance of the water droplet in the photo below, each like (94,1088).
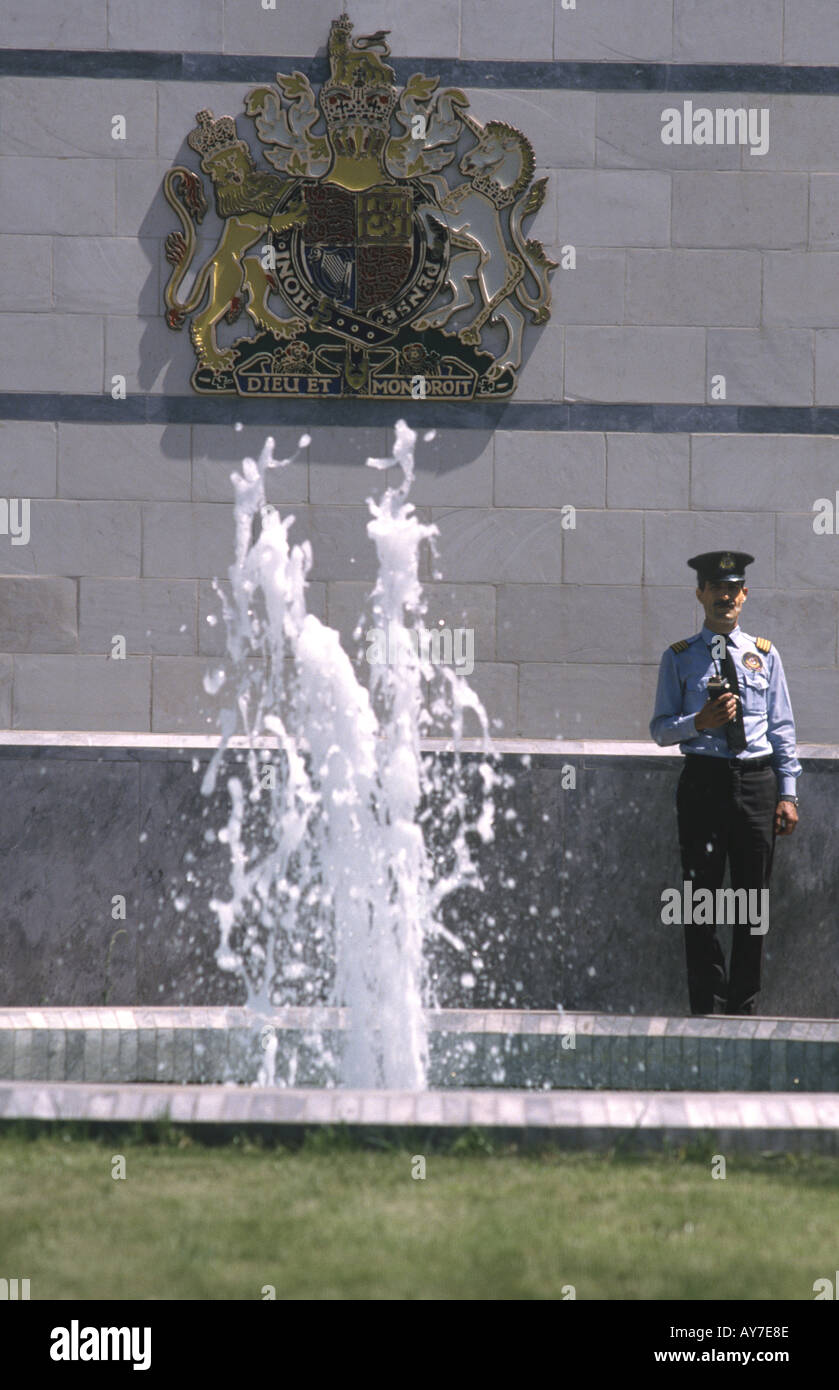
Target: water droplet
(214,680)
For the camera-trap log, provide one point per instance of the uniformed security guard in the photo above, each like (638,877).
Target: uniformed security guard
(737,788)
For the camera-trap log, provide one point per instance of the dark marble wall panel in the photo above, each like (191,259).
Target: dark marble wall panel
(569,915)
(68,845)
(181,870)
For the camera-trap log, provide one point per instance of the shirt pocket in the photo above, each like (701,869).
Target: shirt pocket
(754,692)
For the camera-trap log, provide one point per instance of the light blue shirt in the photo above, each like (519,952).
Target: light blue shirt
(767,714)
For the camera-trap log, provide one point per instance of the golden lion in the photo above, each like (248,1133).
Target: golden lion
(246,199)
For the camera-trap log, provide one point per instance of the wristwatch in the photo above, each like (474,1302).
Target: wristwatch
(793,799)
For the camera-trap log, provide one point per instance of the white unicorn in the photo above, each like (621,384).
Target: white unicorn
(498,171)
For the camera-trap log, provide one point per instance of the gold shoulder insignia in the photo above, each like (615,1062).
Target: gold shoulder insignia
(763,644)
(679,646)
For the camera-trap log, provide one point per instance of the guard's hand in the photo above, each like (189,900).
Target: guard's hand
(715,713)
(786,818)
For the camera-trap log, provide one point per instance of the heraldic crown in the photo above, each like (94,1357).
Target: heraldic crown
(359,95)
(213,137)
(363,269)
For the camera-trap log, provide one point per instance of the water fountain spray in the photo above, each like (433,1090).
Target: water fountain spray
(334,890)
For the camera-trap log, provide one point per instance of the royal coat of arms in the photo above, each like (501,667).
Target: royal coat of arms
(362,269)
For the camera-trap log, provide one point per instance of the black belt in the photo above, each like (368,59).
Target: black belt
(744,764)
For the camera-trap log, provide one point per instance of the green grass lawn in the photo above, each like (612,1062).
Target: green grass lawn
(334,1221)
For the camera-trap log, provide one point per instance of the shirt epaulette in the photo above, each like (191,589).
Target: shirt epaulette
(680,646)
(763,644)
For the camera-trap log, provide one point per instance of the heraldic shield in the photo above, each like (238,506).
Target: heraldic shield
(363,271)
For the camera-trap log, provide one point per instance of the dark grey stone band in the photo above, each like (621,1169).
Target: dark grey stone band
(590,76)
(643,417)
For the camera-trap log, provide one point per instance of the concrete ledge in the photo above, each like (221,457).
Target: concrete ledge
(778,1123)
(554,1022)
(64,739)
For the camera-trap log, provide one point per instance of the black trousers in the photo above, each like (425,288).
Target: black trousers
(726,810)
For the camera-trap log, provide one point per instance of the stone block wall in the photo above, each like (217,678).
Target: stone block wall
(692,262)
